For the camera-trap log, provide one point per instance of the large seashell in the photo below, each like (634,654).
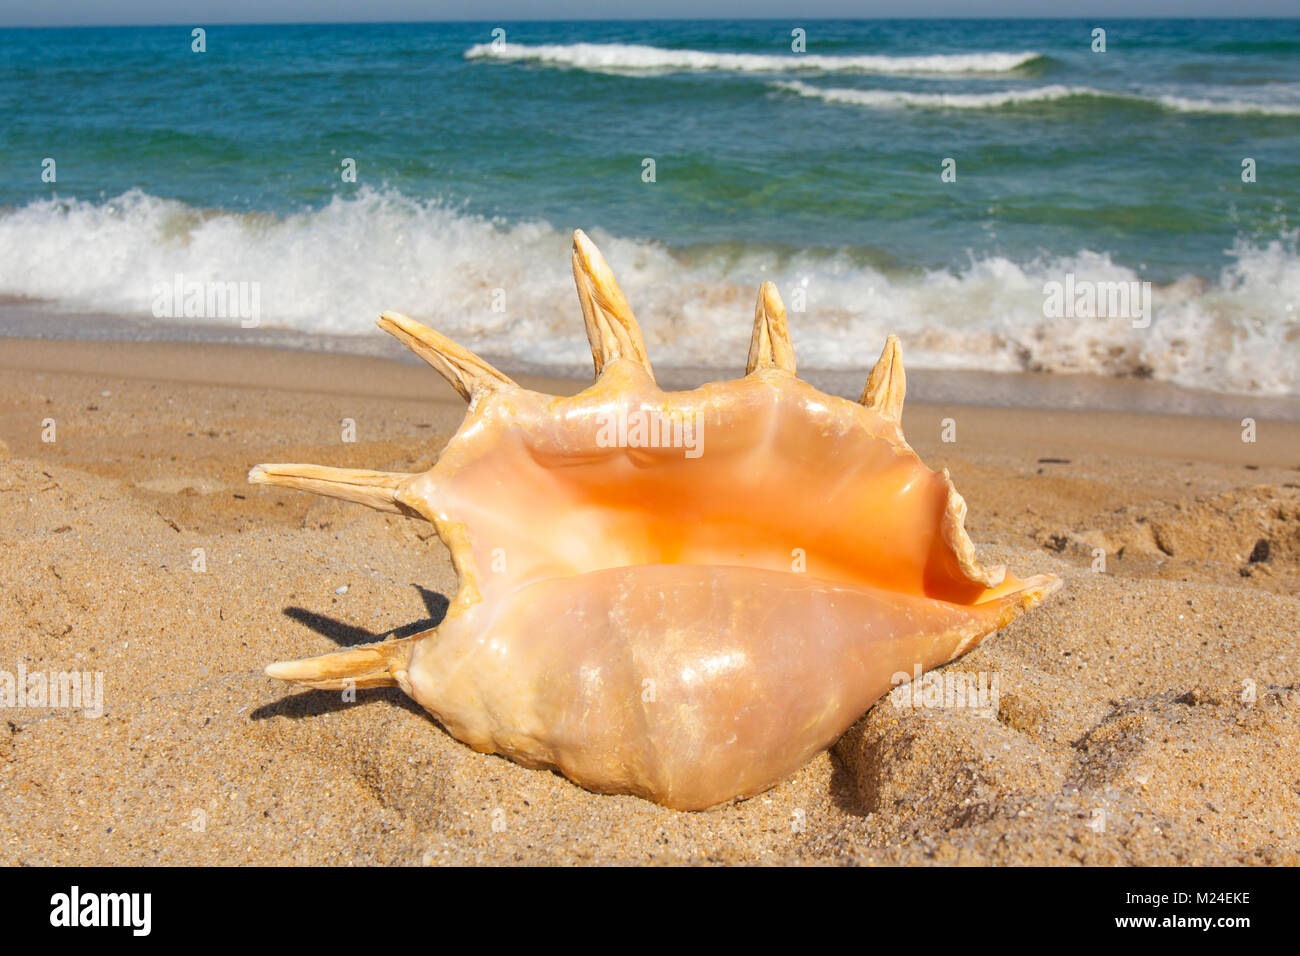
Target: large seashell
(679,595)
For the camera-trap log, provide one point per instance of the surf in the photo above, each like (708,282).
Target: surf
(999,99)
(495,286)
(627,57)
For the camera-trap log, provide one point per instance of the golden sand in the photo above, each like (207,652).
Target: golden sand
(1149,714)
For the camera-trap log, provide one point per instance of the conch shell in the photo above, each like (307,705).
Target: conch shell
(679,595)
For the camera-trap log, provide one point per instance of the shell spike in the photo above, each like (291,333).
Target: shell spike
(612,329)
(380,490)
(369,665)
(466,372)
(887,384)
(770,345)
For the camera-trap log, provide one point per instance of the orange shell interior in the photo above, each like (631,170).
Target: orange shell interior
(786,478)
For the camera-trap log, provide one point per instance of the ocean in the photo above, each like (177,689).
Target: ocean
(932,178)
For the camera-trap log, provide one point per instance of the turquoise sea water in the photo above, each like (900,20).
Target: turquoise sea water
(819,170)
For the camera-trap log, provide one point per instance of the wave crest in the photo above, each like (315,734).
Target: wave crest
(997,99)
(632,58)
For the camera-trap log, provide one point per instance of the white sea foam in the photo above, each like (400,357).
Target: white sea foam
(623,57)
(967,101)
(333,269)
(994,99)
(1235,107)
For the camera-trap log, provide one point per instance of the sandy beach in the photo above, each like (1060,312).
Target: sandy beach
(1149,714)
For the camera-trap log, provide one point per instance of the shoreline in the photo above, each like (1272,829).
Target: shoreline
(22,324)
(324,373)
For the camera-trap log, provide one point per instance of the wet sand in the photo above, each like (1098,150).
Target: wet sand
(1148,714)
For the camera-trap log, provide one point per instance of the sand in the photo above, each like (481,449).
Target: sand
(1148,715)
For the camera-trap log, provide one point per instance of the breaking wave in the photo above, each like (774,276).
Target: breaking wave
(624,58)
(506,291)
(893,99)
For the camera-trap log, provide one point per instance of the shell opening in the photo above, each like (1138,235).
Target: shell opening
(744,474)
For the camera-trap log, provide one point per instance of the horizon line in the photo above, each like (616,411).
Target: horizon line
(499,20)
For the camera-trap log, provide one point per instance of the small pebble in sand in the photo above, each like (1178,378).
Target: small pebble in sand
(341,589)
